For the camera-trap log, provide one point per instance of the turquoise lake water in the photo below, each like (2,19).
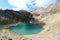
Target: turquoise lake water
(26,29)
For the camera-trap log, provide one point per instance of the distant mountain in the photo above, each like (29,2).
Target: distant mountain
(43,12)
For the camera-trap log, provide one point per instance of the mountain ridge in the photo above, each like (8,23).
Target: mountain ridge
(44,12)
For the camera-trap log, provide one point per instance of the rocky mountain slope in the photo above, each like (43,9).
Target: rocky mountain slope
(50,16)
(10,16)
(41,14)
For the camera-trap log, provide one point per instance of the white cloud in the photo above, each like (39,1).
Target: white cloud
(41,2)
(44,3)
(21,4)
(16,9)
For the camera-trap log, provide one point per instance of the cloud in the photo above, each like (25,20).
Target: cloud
(19,3)
(44,3)
(22,4)
(16,9)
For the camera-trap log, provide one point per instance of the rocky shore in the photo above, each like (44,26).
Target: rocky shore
(50,16)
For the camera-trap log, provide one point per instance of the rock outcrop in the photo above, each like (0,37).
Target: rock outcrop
(11,16)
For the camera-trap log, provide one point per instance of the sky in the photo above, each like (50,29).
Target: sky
(28,5)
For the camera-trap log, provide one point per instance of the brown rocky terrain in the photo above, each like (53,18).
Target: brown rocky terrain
(50,16)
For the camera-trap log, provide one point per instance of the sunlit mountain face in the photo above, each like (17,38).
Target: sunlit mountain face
(28,5)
